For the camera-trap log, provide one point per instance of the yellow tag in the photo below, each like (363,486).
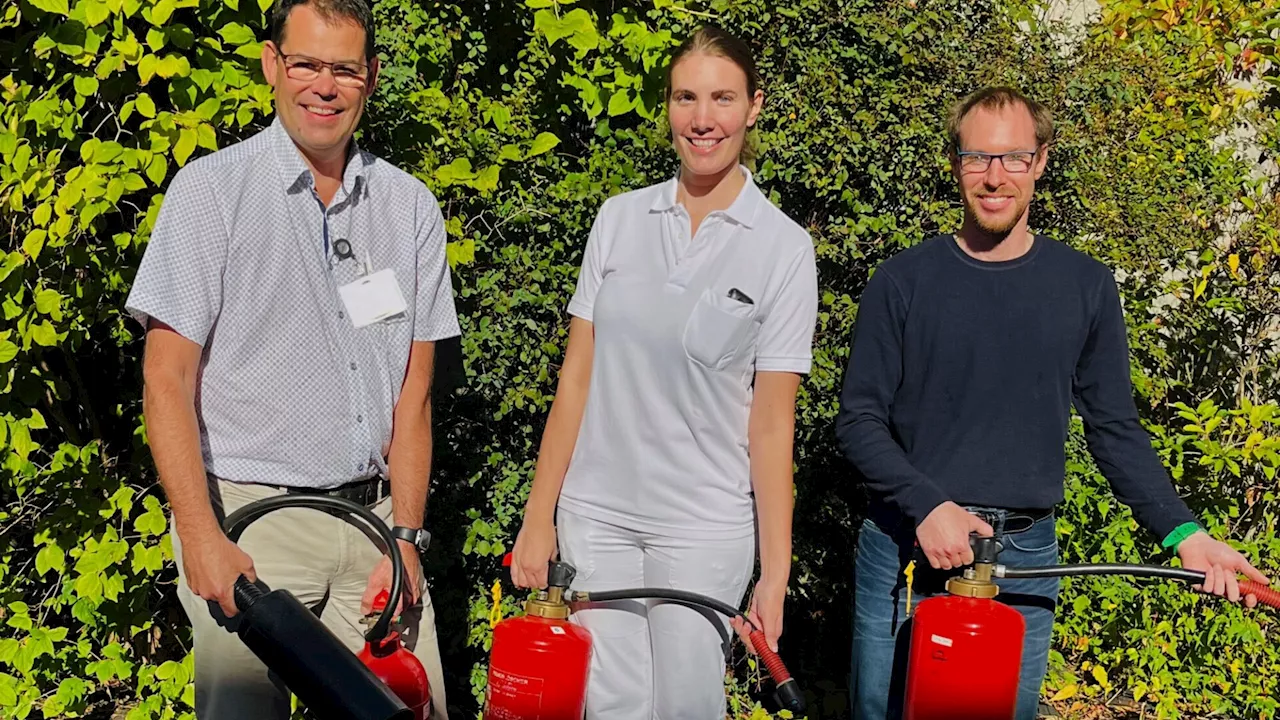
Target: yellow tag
(910,572)
(495,613)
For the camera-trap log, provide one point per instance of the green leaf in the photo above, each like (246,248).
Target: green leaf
(48,301)
(162,11)
(152,522)
(133,182)
(8,351)
(12,262)
(115,188)
(60,7)
(146,107)
(487,179)
(207,109)
(541,144)
(44,334)
(89,586)
(173,66)
(185,146)
(49,558)
(233,4)
(264,5)
(236,34)
(206,137)
(20,440)
(34,243)
(620,102)
(96,12)
(500,115)
(457,171)
(157,170)
(155,39)
(86,86)
(21,159)
(147,68)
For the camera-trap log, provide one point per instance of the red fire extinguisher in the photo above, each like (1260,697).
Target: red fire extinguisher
(401,670)
(539,664)
(966,649)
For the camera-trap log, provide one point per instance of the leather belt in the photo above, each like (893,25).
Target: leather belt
(362,492)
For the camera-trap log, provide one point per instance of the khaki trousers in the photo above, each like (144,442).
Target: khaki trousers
(325,561)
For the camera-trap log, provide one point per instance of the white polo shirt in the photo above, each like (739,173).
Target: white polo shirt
(663,442)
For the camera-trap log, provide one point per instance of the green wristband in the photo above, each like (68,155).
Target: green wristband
(1180,533)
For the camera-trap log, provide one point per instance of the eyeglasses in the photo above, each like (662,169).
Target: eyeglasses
(306,69)
(1018,161)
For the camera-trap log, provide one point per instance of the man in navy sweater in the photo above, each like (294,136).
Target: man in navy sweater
(967,355)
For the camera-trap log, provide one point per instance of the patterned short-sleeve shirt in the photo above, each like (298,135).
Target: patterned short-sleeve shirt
(241,261)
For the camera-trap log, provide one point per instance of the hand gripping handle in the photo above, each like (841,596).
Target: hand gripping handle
(788,692)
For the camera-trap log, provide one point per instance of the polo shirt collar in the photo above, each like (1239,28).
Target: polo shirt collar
(297,174)
(742,211)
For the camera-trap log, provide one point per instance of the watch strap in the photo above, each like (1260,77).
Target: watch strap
(418,537)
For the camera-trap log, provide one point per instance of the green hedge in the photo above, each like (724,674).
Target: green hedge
(523,118)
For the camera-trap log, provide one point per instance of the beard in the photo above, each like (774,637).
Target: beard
(996,227)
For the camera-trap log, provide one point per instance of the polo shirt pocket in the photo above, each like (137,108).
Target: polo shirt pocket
(716,330)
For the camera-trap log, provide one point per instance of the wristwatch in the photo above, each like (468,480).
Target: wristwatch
(418,537)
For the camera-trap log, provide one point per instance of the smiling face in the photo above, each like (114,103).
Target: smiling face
(320,106)
(710,109)
(996,200)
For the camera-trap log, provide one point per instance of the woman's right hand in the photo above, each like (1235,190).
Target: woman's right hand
(535,546)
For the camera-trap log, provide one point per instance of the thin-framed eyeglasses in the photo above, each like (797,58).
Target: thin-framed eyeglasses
(306,69)
(1017,161)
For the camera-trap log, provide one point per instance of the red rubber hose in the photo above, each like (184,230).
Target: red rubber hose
(1265,595)
(771,660)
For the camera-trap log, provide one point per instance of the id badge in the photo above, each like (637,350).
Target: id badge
(373,298)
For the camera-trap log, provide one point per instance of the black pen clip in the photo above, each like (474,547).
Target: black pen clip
(740,296)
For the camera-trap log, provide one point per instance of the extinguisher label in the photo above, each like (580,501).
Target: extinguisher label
(512,696)
(557,630)
(943,641)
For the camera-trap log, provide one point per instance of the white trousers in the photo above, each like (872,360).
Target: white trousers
(653,658)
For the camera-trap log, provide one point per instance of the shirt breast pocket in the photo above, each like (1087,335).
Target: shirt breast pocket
(718,330)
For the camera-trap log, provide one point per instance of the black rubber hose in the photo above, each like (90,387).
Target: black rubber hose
(237,521)
(787,690)
(665,594)
(1157,571)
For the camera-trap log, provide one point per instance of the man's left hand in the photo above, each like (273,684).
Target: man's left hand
(380,579)
(1220,563)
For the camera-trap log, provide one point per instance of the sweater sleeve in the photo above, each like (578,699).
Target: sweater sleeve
(872,377)
(1115,437)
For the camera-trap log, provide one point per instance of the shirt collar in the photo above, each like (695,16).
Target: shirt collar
(742,211)
(297,173)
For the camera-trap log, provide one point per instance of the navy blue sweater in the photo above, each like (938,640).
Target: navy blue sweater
(963,373)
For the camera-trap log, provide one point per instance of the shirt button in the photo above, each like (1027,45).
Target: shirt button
(359,418)
(353,366)
(360,467)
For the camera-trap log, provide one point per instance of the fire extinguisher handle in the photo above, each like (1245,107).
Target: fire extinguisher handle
(788,692)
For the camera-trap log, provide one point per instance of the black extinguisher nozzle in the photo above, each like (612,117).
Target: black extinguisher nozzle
(790,698)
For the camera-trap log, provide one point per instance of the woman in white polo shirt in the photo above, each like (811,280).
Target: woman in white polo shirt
(668,450)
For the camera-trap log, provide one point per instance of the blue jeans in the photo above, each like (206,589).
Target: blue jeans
(881,625)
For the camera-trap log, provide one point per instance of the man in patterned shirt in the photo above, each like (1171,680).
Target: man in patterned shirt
(292,291)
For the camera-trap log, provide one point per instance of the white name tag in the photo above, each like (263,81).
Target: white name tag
(373,298)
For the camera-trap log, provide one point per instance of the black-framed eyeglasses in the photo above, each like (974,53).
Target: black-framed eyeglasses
(306,69)
(1017,161)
